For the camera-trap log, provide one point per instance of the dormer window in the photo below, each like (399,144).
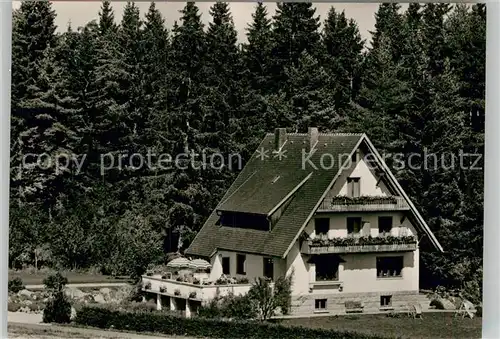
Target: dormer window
(244,220)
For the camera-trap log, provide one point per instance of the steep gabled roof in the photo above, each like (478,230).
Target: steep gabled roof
(266,181)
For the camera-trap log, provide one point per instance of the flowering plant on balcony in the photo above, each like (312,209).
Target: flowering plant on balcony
(366,240)
(226,280)
(345,200)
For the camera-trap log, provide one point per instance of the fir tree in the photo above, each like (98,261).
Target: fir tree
(106,19)
(343,44)
(295,30)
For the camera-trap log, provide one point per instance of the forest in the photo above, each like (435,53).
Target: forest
(133,87)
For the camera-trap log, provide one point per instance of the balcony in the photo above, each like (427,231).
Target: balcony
(359,245)
(363,204)
(202,291)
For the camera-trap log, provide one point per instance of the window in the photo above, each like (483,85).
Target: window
(327,268)
(388,267)
(240,264)
(226,266)
(321,226)
(353,225)
(386,300)
(320,304)
(268,268)
(384,225)
(353,189)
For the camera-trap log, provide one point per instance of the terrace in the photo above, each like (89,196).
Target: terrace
(359,245)
(363,203)
(191,287)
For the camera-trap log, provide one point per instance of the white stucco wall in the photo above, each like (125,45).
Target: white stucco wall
(368,180)
(358,274)
(254,265)
(338,223)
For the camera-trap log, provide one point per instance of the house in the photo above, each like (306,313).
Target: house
(325,207)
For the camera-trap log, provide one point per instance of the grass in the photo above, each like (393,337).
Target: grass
(433,325)
(36,278)
(32,331)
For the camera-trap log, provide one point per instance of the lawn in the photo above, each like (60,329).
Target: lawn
(433,325)
(32,331)
(36,278)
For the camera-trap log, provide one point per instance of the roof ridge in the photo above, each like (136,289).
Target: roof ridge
(341,134)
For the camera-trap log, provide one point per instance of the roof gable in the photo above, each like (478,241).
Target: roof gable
(295,166)
(303,180)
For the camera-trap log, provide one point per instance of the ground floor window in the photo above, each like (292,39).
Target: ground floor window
(320,304)
(269,268)
(388,267)
(386,300)
(327,268)
(226,267)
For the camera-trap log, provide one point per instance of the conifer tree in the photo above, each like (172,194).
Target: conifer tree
(295,30)
(343,44)
(257,51)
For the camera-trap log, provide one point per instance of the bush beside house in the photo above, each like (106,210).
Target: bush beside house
(202,327)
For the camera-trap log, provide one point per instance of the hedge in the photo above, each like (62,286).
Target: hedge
(202,327)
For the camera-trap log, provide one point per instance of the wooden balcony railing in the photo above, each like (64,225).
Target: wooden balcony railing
(359,245)
(345,204)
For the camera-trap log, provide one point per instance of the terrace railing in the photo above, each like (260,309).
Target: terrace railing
(363,203)
(359,245)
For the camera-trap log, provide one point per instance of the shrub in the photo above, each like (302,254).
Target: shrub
(268,299)
(201,327)
(437,304)
(55,282)
(163,289)
(15,285)
(177,292)
(192,295)
(136,294)
(13,307)
(147,286)
(58,308)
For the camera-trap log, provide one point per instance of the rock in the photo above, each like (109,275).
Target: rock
(24,310)
(105,290)
(98,298)
(447,304)
(27,302)
(74,293)
(73,313)
(25,293)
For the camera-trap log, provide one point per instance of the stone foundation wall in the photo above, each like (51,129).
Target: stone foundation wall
(335,305)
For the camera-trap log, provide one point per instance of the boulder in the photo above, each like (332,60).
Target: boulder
(25,293)
(447,304)
(105,291)
(98,298)
(74,293)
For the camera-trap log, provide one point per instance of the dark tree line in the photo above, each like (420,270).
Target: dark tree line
(118,89)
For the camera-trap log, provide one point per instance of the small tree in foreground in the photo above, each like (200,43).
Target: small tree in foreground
(58,308)
(15,285)
(268,298)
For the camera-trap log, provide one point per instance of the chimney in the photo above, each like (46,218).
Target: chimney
(313,134)
(279,137)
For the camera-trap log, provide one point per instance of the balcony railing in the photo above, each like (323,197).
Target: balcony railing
(359,245)
(363,203)
(179,289)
